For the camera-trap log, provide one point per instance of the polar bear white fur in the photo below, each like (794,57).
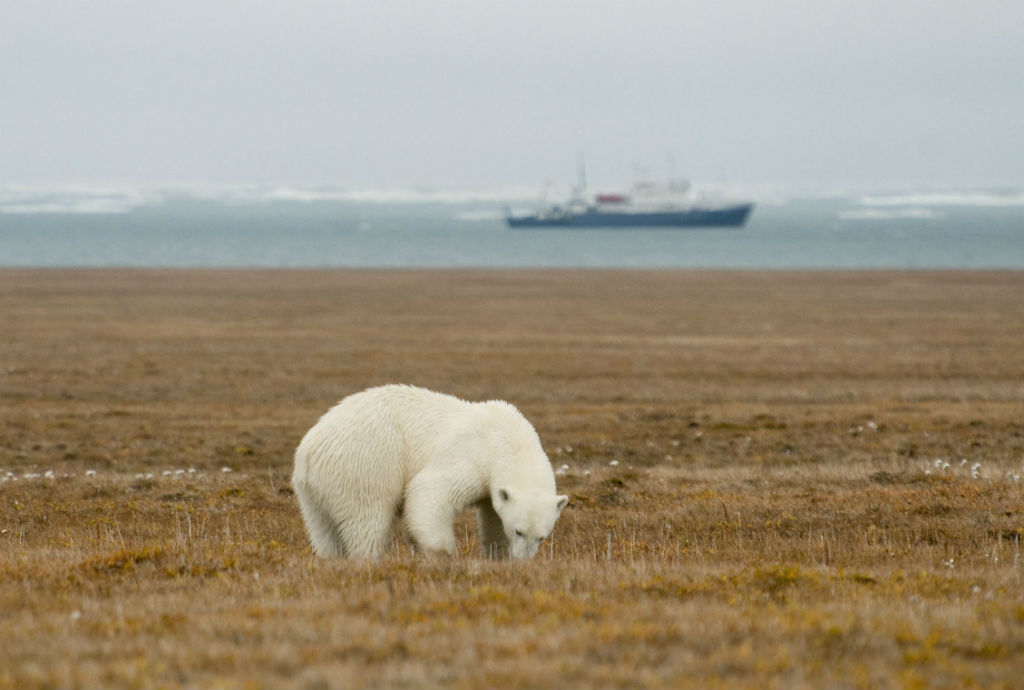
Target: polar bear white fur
(401,450)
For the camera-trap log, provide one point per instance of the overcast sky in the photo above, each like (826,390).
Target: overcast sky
(478,93)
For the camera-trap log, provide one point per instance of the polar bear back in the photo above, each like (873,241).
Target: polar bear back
(390,433)
(370,433)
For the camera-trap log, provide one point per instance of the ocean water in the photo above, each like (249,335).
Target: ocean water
(78,227)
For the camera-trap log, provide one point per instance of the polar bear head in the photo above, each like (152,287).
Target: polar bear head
(528,516)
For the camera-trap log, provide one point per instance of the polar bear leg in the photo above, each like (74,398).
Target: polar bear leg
(429,515)
(493,541)
(362,531)
(321,527)
(367,532)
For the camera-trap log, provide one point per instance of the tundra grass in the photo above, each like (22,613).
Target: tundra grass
(775,480)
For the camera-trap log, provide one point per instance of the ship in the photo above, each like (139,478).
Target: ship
(649,205)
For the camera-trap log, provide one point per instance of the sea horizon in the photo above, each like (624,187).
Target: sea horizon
(262,225)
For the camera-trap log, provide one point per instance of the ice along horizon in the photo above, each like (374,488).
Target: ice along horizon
(275,227)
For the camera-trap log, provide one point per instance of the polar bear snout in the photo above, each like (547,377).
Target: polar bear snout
(528,518)
(525,548)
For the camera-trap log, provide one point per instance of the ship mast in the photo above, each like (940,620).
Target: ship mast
(580,192)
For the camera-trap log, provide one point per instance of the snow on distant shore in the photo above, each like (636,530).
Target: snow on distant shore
(977,198)
(112,198)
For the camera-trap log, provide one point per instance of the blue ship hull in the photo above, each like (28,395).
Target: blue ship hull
(724,217)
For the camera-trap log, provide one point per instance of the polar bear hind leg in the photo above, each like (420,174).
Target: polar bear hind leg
(367,532)
(323,533)
(360,531)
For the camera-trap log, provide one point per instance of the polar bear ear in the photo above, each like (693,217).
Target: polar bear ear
(561,502)
(504,496)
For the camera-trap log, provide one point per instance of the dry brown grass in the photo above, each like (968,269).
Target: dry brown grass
(775,518)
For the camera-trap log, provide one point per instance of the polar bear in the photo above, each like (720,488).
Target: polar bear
(402,450)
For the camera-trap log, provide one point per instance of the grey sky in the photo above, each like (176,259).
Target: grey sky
(477,93)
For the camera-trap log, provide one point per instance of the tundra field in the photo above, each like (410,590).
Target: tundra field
(777,479)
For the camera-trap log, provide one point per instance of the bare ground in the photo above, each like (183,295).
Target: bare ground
(777,479)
